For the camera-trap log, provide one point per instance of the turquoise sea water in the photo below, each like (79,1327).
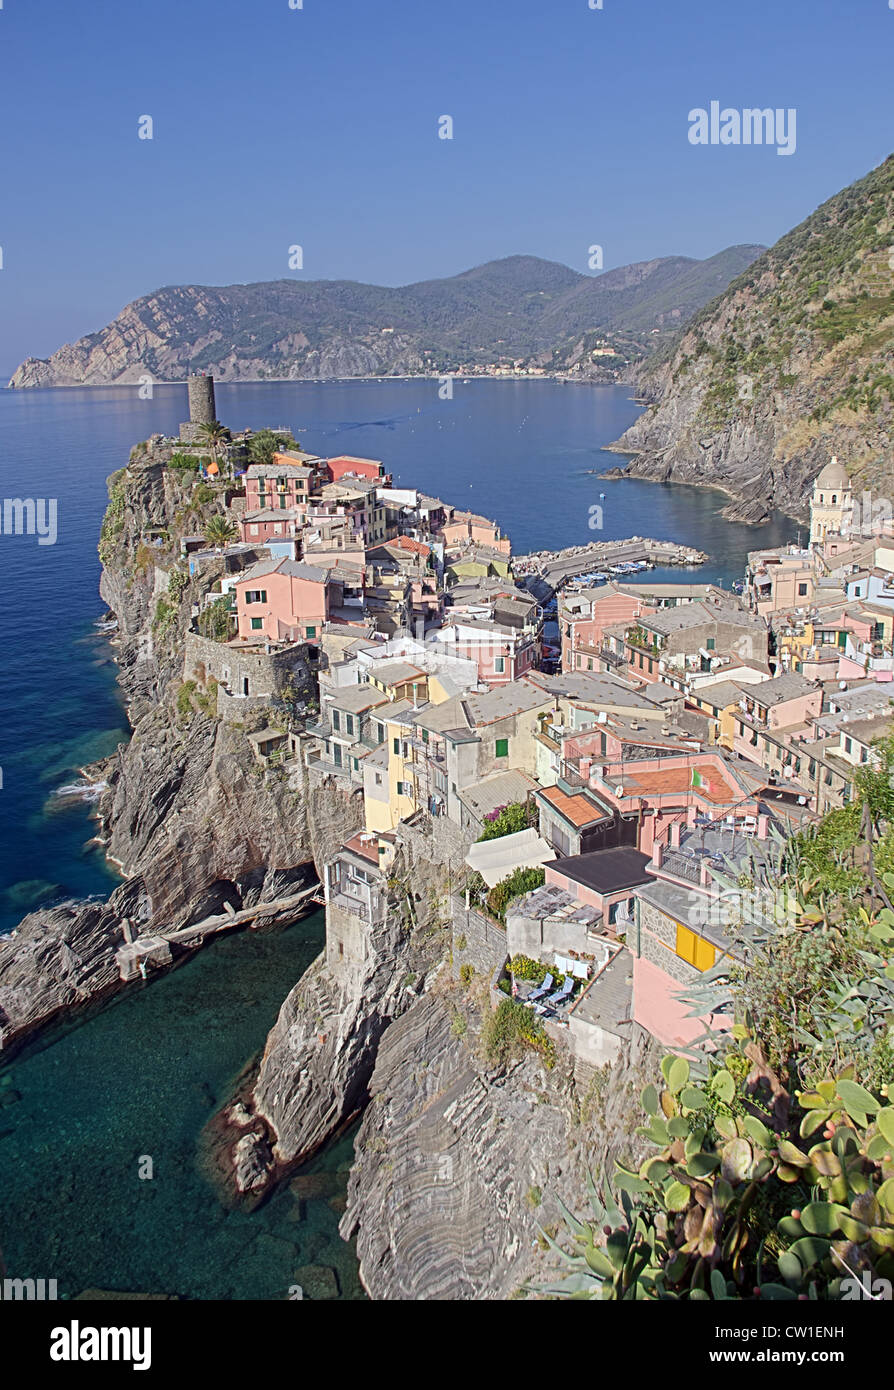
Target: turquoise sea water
(142,1076)
(85,1106)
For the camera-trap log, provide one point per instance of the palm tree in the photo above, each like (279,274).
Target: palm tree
(219,531)
(215,433)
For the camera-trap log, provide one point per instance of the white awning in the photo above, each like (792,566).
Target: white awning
(496,859)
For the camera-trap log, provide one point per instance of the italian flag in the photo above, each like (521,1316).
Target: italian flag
(699,781)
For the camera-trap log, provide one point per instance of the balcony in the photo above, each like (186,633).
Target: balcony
(681,866)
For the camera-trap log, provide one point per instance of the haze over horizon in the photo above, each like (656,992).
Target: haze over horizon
(319,127)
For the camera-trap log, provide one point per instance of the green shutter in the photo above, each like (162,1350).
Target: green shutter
(502,747)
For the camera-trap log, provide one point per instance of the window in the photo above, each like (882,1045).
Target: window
(256,596)
(378,779)
(282,501)
(502,749)
(400,788)
(257,624)
(253,530)
(397,747)
(802,590)
(499,665)
(694,949)
(709,645)
(848,745)
(310,632)
(349,723)
(336,720)
(425,735)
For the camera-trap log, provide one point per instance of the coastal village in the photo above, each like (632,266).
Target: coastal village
(593,757)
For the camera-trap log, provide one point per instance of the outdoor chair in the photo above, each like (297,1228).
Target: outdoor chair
(539,992)
(561,994)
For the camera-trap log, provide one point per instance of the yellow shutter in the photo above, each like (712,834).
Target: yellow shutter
(694,949)
(704,954)
(685,944)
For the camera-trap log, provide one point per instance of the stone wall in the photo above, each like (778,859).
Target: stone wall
(477,940)
(658,942)
(267,673)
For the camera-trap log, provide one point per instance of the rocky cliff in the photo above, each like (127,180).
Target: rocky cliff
(186,812)
(794,362)
(517,308)
(461,1166)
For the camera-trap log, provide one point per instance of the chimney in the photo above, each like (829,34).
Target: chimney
(675,834)
(763,823)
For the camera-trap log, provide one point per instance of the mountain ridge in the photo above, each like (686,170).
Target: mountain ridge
(518,309)
(793,362)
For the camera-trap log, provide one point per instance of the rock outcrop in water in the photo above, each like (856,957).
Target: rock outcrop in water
(319,1057)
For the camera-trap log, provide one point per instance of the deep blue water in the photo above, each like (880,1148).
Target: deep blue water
(516,451)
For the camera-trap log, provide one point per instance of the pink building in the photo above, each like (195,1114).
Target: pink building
(787,702)
(467,528)
(283,600)
(269,525)
(345,466)
(502,653)
(584,617)
(278,486)
(604,880)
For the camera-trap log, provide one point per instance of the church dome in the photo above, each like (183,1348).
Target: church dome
(832,477)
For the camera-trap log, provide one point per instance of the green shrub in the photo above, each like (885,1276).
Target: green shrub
(524,968)
(507,820)
(509,1029)
(185,699)
(467,973)
(519,881)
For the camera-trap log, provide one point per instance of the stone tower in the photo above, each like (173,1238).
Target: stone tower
(831,506)
(202,408)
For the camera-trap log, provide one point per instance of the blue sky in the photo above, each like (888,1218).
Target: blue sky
(318,126)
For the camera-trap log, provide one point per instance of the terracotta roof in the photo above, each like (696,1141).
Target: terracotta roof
(364,845)
(577,809)
(667,781)
(407,543)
